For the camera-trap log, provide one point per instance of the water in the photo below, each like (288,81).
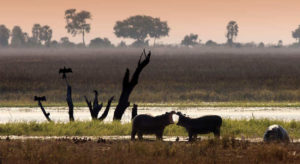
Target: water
(60,114)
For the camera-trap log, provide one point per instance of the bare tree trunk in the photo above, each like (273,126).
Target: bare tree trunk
(105,113)
(128,86)
(44,111)
(134,111)
(70,103)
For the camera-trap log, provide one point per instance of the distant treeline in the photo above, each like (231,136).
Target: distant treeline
(141,28)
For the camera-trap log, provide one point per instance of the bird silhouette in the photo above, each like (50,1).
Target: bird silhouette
(36,98)
(64,71)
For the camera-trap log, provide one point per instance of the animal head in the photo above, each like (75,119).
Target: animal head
(181,119)
(273,133)
(169,117)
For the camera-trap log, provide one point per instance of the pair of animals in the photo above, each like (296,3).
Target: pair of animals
(146,124)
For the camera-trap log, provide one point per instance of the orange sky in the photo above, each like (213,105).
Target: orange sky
(259,20)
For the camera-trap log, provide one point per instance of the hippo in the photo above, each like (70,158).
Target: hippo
(276,133)
(146,124)
(201,125)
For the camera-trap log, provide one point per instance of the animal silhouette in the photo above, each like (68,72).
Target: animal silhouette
(146,124)
(201,125)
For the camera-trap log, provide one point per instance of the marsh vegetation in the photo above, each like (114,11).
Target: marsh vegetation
(180,75)
(253,128)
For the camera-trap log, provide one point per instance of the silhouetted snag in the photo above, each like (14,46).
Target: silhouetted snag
(129,85)
(39,100)
(69,100)
(95,108)
(134,111)
(105,113)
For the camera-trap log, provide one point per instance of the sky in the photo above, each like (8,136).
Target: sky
(259,20)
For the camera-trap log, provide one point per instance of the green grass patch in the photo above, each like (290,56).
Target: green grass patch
(252,128)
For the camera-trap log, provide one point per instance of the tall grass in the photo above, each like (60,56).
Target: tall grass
(253,128)
(211,151)
(184,76)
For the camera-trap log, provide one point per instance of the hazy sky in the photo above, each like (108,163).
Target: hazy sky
(259,20)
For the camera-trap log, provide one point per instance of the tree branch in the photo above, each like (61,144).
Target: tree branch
(105,113)
(44,111)
(89,104)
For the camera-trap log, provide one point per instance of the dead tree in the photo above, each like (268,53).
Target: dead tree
(128,86)
(39,100)
(69,100)
(96,107)
(134,111)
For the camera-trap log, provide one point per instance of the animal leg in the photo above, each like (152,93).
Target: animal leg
(190,136)
(140,135)
(159,135)
(217,133)
(133,134)
(195,137)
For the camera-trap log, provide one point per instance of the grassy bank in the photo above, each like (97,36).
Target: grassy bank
(211,151)
(253,128)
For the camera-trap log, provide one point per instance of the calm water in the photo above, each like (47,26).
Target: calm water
(82,114)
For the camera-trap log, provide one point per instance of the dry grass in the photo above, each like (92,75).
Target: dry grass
(172,75)
(227,150)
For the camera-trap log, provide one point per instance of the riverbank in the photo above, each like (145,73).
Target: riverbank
(253,128)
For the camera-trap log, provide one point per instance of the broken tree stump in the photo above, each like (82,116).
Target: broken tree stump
(128,85)
(39,100)
(69,100)
(70,103)
(95,108)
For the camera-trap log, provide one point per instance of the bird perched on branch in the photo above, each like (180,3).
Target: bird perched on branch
(36,98)
(64,71)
